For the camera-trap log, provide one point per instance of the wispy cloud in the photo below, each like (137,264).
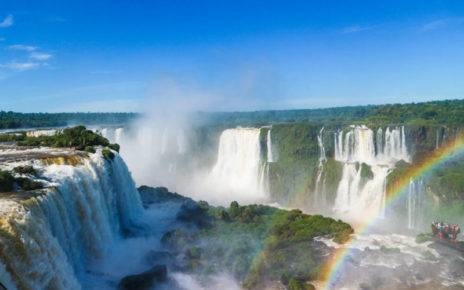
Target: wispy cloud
(40,56)
(2,39)
(355,29)
(7,21)
(20,66)
(22,47)
(442,23)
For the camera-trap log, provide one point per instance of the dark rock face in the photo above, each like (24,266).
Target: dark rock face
(145,280)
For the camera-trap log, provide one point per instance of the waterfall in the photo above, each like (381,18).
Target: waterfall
(48,240)
(319,200)
(367,163)
(270,157)
(238,169)
(415,203)
(118,134)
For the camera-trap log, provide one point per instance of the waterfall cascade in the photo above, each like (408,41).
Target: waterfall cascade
(357,196)
(319,200)
(415,203)
(238,168)
(270,155)
(47,241)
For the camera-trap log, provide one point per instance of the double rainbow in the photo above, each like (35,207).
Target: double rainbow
(334,267)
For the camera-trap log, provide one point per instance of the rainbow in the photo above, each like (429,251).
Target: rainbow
(333,268)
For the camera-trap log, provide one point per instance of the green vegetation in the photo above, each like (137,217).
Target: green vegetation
(422,238)
(8,182)
(293,176)
(256,243)
(11,120)
(108,154)
(26,169)
(447,112)
(28,184)
(76,137)
(447,180)
(12,137)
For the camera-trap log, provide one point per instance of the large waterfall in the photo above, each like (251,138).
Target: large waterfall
(238,170)
(48,240)
(367,160)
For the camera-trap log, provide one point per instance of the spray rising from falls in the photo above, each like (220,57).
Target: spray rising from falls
(239,171)
(48,240)
(155,154)
(367,161)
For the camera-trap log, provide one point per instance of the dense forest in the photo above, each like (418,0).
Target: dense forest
(448,112)
(12,120)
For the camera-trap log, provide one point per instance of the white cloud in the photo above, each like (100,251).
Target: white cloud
(20,66)
(7,21)
(442,23)
(22,47)
(40,56)
(354,29)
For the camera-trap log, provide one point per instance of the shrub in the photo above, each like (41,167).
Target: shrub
(108,154)
(89,149)
(26,169)
(114,147)
(78,137)
(6,181)
(28,184)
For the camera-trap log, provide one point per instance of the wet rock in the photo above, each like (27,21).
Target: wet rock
(145,280)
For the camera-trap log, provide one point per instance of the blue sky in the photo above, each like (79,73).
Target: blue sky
(227,55)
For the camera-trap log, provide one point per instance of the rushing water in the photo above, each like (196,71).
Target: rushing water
(358,194)
(270,155)
(49,241)
(319,198)
(416,203)
(239,168)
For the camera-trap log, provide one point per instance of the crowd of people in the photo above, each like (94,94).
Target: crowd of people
(446,231)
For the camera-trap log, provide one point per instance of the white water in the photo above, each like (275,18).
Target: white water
(356,197)
(319,200)
(238,171)
(415,204)
(270,156)
(48,242)
(43,132)
(154,153)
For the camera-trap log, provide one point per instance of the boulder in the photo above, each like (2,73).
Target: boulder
(145,280)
